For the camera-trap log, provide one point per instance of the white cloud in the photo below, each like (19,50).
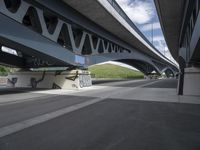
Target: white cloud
(139,12)
(142,13)
(148,27)
(160,44)
(158,38)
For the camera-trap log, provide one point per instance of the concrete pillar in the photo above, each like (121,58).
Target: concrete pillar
(191,84)
(180,82)
(74,79)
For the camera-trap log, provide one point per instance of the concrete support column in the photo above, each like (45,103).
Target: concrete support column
(74,79)
(180,82)
(191,84)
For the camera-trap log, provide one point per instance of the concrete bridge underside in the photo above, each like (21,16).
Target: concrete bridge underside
(53,34)
(180,21)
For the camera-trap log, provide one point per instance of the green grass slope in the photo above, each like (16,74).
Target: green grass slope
(114,71)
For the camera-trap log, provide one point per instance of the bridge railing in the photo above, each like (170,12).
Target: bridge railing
(116,6)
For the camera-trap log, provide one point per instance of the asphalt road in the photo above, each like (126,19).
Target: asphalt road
(164,84)
(10,90)
(111,124)
(10,114)
(121,83)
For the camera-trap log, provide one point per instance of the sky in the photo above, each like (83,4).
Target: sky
(144,16)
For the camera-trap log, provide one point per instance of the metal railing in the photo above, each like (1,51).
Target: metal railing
(116,6)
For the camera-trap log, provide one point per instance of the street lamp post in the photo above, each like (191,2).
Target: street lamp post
(152,33)
(163,45)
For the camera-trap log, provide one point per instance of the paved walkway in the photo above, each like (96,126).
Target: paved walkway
(112,116)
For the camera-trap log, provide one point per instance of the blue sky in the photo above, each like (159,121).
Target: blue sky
(143,14)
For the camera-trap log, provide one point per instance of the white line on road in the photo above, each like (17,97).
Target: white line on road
(43,118)
(44,94)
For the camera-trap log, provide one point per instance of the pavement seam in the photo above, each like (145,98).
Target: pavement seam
(27,100)
(7,130)
(54,95)
(4,131)
(143,85)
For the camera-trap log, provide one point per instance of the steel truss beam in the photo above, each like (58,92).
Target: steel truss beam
(57,40)
(55,29)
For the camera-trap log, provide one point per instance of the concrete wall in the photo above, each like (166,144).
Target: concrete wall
(192,81)
(3,81)
(74,79)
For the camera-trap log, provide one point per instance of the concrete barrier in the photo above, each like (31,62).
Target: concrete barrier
(3,81)
(192,81)
(74,79)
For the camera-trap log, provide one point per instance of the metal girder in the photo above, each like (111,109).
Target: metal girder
(11,60)
(110,16)
(43,34)
(63,30)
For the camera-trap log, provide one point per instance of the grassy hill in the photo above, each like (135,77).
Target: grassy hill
(114,71)
(4,71)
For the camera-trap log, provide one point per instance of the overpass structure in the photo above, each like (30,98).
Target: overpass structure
(73,34)
(180,21)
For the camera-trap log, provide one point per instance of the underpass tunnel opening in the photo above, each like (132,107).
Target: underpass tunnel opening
(115,70)
(145,67)
(169,73)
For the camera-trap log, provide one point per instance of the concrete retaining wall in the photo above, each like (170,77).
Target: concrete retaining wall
(3,81)
(74,79)
(192,81)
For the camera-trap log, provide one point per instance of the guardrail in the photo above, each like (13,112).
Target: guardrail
(116,6)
